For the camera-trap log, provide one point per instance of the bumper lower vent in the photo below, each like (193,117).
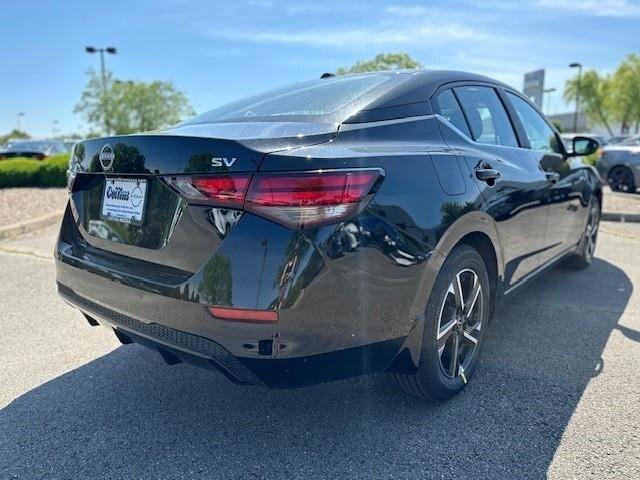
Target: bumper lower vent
(226,362)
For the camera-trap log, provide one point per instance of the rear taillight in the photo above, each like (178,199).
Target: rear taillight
(294,199)
(222,190)
(310,199)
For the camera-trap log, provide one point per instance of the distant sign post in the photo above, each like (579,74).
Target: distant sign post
(534,86)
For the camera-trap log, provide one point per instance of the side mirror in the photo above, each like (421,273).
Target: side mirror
(583,146)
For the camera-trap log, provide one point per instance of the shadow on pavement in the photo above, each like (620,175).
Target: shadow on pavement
(127,415)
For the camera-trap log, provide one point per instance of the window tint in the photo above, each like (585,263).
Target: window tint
(487,117)
(541,136)
(450,109)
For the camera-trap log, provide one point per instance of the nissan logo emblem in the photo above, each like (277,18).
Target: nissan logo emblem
(106,157)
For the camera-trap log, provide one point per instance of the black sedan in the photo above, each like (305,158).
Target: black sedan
(341,226)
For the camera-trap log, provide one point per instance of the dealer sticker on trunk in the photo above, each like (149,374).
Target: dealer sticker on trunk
(124,199)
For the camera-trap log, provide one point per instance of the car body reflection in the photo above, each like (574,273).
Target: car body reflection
(103,230)
(368,231)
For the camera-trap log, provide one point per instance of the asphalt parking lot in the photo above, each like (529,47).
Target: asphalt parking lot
(556,394)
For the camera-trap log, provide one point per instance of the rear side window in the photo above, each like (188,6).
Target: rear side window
(450,109)
(487,117)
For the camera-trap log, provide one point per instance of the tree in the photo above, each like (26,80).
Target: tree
(129,107)
(382,61)
(15,133)
(624,99)
(593,91)
(217,287)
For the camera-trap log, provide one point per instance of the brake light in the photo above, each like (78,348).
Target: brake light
(310,199)
(222,190)
(295,199)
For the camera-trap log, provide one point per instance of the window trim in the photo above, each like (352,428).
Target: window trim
(464,114)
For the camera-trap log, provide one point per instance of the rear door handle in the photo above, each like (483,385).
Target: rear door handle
(485,173)
(553,177)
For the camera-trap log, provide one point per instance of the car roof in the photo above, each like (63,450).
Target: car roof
(421,82)
(419,86)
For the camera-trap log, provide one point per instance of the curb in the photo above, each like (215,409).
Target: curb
(620,217)
(17,229)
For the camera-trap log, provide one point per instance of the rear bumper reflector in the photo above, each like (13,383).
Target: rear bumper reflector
(244,315)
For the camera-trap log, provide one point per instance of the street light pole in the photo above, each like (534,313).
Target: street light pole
(548,91)
(103,74)
(575,114)
(18,115)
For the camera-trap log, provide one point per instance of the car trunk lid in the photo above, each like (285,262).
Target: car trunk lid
(120,196)
(232,147)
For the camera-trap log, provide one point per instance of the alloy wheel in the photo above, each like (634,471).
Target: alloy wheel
(621,180)
(460,323)
(591,233)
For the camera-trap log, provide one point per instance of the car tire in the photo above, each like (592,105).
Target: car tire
(445,366)
(621,179)
(587,246)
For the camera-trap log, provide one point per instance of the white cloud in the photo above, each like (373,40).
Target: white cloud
(360,37)
(406,10)
(260,3)
(594,8)
(395,25)
(326,8)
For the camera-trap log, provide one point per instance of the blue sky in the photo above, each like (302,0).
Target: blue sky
(217,51)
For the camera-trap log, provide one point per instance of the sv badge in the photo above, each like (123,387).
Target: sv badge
(220,161)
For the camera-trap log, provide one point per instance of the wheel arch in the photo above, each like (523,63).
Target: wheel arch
(475,229)
(483,244)
(478,230)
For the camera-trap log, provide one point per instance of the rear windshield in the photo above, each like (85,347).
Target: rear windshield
(327,100)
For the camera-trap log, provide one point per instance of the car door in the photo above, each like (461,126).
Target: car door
(511,181)
(566,204)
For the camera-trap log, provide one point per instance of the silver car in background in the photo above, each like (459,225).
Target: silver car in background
(620,165)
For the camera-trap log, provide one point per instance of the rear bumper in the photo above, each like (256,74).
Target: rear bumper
(162,338)
(347,296)
(178,346)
